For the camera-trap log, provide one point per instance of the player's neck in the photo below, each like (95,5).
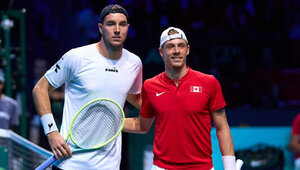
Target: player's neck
(109,52)
(176,73)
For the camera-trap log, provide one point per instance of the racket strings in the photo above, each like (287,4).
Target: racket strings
(96,124)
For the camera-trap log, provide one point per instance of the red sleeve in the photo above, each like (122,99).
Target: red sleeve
(216,99)
(147,110)
(296,125)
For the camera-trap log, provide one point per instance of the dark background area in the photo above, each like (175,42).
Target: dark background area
(251,46)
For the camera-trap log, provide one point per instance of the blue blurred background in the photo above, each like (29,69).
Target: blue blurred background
(251,46)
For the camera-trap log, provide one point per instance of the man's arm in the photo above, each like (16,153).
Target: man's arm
(42,102)
(138,125)
(41,96)
(135,100)
(225,139)
(295,143)
(223,132)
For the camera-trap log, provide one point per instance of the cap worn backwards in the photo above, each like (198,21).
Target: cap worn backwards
(166,37)
(112,9)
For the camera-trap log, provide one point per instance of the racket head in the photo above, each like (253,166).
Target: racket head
(97,123)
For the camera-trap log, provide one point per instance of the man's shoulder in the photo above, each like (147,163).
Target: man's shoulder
(154,79)
(130,55)
(82,48)
(202,75)
(78,53)
(199,73)
(298,117)
(9,100)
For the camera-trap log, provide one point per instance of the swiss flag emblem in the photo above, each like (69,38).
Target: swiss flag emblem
(196,89)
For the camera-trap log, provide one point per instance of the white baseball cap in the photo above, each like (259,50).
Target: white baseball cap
(165,37)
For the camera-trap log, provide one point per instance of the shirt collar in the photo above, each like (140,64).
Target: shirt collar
(186,76)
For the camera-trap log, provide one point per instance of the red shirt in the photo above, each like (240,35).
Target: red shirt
(296,130)
(182,118)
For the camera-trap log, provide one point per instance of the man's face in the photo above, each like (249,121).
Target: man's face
(174,53)
(114,29)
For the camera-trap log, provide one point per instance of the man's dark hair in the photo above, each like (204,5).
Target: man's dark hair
(112,9)
(172,31)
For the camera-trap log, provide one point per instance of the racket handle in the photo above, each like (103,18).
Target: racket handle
(47,163)
(239,164)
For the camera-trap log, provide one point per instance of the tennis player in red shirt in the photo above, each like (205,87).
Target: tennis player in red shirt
(182,101)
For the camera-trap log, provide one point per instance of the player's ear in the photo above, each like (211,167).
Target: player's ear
(160,51)
(188,50)
(100,28)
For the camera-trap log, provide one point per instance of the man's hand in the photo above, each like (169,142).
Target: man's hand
(58,145)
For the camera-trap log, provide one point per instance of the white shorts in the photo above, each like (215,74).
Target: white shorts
(154,167)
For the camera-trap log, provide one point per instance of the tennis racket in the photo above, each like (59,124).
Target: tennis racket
(95,125)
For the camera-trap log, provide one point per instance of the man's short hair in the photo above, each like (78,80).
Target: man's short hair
(112,9)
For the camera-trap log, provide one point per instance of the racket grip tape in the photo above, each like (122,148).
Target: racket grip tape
(47,163)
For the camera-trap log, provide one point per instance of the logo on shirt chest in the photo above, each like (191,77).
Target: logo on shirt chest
(111,69)
(158,94)
(196,89)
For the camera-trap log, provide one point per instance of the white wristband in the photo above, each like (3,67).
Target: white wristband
(48,123)
(229,162)
(239,164)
